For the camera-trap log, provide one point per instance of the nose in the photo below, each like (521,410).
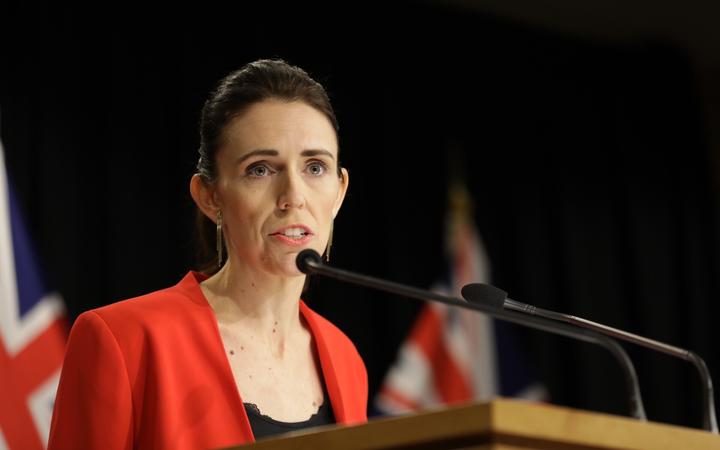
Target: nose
(291,193)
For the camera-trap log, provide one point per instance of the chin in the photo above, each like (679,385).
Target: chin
(288,266)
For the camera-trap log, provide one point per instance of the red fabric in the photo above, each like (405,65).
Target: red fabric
(451,382)
(20,376)
(151,373)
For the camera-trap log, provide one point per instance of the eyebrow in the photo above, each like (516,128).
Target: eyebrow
(317,153)
(271,152)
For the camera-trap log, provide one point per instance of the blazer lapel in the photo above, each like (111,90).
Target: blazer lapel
(327,364)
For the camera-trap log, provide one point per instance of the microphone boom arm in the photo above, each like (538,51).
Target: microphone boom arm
(308,261)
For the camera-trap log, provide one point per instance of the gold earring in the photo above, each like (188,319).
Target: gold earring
(218,237)
(329,244)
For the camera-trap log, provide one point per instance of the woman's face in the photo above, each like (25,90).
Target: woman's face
(278,185)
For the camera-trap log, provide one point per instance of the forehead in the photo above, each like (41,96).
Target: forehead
(282,126)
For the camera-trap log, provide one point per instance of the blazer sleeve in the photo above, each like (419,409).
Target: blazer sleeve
(93,406)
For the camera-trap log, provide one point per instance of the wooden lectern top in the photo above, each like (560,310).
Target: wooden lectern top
(501,424)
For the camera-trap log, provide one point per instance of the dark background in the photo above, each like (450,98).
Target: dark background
(587,139)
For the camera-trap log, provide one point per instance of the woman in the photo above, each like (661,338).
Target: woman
(220,360)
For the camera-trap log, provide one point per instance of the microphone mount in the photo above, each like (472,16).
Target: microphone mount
(489,294)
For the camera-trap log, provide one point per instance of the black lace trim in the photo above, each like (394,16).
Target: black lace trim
(252,409)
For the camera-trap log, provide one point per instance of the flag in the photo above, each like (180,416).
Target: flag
(33,332)
(455,355)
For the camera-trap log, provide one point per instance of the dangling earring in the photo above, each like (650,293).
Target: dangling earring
(218,237)
(329,244)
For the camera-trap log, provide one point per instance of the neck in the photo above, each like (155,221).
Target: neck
(261,303)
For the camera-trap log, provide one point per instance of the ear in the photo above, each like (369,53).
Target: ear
(204,197)
(344,182)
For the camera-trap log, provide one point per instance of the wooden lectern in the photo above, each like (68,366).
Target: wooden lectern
(498,425)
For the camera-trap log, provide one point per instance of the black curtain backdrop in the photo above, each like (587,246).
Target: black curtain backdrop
(587,163)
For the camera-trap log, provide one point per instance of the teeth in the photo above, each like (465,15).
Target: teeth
(294,232)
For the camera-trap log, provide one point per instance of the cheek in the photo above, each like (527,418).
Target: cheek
(247,208)
(328,193)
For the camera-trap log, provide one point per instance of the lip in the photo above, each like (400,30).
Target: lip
(278,234)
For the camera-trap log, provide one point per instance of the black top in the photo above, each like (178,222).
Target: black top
(264,426)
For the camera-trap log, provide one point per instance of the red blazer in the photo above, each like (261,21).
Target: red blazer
(151,373)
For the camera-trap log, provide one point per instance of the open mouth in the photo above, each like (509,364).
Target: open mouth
(294,233)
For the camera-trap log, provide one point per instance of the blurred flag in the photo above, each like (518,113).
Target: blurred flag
(453,355)
(33,331)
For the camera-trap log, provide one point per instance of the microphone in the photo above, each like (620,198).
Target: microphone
(491,295)
(309,262)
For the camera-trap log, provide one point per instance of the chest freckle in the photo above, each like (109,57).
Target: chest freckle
(232,352)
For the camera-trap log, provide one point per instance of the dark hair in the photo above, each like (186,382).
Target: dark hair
(257,81)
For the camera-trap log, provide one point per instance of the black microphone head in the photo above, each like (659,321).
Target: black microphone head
(307,257)
(484,294)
